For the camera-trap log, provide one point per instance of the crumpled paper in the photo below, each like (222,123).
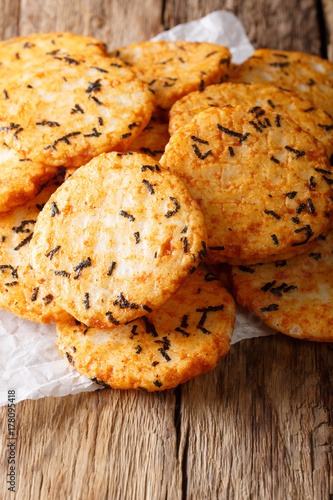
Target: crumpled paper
(30,362)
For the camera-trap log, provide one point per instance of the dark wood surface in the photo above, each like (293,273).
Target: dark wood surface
(257,427)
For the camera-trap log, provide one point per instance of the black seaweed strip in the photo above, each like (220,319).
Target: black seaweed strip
(173,212)
(24,242)
(111,318)
(52,252)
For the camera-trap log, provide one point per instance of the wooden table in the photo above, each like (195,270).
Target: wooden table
(256,427)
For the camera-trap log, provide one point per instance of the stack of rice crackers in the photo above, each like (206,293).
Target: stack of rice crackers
(143,190)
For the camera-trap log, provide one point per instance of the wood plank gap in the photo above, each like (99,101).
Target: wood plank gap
(322,29)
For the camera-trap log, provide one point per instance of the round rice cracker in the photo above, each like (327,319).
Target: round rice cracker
(20,293)
(69,110)
(18,53)
(264,192)
(309,118)
(294,297)
(123,236)
(152,140)
(182,339)
(173,69)
(309,76)
(20,178)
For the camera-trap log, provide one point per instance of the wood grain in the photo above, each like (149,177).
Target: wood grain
(257,427)
(269,23)
(116,23)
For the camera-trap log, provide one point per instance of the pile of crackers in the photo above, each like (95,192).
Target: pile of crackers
(143,191)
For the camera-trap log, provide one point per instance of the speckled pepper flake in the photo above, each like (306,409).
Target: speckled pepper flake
(176,209)
(111,318)
(312,209)
(48,123)
(77,109)
(246,269)
(127,215)
(146,308)
(210,277)
(80,266)
(51,253)
(124,303)
(308,233)
(291,195)
(34,294)
(164,354)
(185,243)
(202,253)
(271,212)
(99,381)
(300,208)
(150,327)
(196,139)
(296,151)
(65,274)
(152,168)
(180,330)
(315,255)
(184,323)
(270,308)
(24,242)
(62,139)
(94,133)
(94,86)
(149,186)
(280,263)
(47,299)
(20,228)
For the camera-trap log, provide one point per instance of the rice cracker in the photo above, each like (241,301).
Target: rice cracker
(68,110)
(117,239)
(294,297)
(173,69)
(19,291)
(263,184)
(182,339)
(309,118)
(309,76)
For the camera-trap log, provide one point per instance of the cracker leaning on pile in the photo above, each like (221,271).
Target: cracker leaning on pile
(106,220)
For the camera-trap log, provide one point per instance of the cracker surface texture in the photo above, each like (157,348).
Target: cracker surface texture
(127,234)
(184,338)
(294,297)
(263,184)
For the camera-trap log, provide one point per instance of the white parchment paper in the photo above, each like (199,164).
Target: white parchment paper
(29,359)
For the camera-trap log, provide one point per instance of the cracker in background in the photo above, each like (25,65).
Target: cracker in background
(173,69)
(309,76)
(309,118)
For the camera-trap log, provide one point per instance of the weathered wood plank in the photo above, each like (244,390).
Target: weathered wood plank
(259,425)
(108,444)
(9,19)
(278,24)
(116,23)
(327,11)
